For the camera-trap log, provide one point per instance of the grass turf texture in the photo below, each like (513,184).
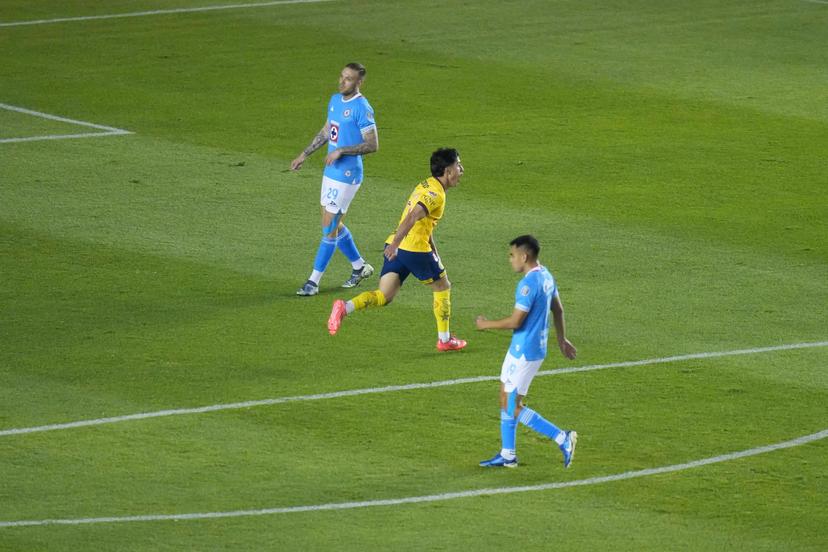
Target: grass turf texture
(669,157)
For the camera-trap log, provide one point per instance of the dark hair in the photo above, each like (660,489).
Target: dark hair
(358,67)
(528,243)
(442,159)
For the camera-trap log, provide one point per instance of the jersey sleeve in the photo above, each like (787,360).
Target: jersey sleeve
(365,118)
(430,200)
(524,295)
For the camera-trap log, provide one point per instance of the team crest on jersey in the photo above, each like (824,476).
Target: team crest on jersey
(334,132)
(524,291)
(346,113)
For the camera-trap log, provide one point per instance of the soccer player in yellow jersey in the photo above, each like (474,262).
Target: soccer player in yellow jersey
(411,250)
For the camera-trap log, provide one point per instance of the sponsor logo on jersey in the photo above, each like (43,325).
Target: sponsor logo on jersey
(370,116)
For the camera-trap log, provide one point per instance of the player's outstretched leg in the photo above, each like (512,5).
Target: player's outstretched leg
(341,309)
(442,314)
(564,439)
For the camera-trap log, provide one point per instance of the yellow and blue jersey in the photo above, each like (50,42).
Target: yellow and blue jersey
(533,295)
(348,120)
(431,195)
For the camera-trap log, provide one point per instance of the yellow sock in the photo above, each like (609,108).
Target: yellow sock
(368,299)
(442,311)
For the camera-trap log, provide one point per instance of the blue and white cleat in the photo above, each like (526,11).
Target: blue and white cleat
(308,289)
(568,447)
(358,275)
(497,461)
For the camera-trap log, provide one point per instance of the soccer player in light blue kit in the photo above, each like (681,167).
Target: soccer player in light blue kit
(350,132)
(536,295)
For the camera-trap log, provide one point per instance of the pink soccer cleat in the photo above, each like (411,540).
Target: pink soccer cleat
(453,344)
(338,312)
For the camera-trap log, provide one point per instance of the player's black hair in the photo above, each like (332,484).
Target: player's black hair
(529,244)
(442,159)
(358,67)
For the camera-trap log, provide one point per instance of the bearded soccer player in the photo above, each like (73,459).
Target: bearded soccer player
(350,132)
(536,297)
(411,250)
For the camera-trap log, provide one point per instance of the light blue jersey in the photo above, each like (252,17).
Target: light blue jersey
(534,295)
(348,119)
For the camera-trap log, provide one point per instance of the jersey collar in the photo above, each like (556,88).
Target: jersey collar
(357,95)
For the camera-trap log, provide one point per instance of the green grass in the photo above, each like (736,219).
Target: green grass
(669,157)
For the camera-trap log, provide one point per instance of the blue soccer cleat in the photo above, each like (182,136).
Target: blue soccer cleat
(358,275)
(568,447)
(497,461)
(308,289)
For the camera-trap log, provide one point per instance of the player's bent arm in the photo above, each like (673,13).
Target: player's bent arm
(434,248)
(512,322)
(567,348)
(319,140)
(369,144)
(416,213)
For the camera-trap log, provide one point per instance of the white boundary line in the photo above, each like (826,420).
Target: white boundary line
(108,130)
(158,12)
(393,388)
(431,498)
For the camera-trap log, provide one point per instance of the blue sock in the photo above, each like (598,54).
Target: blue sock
(536,422)
(327,247)
(508,430)
(345,243)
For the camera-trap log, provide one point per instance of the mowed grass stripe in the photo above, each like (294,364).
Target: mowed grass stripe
(395,388)
(799,441)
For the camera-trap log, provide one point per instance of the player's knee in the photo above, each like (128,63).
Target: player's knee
(389,296)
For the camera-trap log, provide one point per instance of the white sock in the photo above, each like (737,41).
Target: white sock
(444,336)
(349,307)
(316,276)
(358,264)
(508,454)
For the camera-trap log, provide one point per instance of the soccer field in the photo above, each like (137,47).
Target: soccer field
(163,388)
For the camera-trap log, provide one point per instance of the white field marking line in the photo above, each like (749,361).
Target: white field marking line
(159,12)
(431,498)
(108,130)
(394,388)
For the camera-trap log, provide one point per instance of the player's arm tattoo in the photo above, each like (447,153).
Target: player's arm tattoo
(318,141)
(369,145)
